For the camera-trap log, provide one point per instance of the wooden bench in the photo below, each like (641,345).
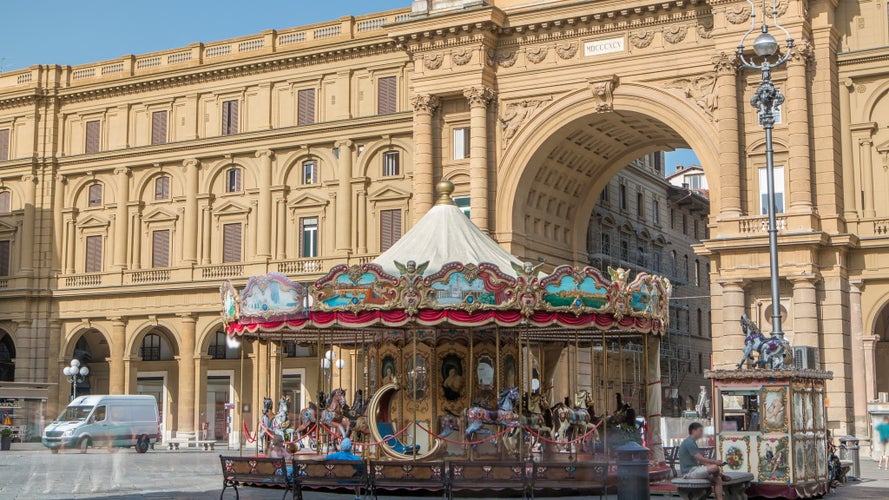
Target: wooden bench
(587,476)
(254,471)
(207,445)
(330,474)
(408,476)
(698,489)
(489,476)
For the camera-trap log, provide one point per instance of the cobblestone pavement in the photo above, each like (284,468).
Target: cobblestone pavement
(32,472)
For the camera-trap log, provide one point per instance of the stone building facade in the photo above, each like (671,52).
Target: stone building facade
(529,107)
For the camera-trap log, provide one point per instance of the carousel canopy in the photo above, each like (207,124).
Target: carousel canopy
(444,235)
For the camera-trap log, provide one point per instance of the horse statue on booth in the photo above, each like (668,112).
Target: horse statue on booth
(334,416)
(504,416)
(771,349)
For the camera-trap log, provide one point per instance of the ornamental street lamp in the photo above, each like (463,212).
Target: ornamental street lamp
(76,375)
(765,100)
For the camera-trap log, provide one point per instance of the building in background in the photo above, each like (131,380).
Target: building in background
(690,177)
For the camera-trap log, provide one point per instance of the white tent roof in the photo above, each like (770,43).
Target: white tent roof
(445,234)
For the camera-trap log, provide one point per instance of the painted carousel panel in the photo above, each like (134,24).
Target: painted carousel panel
(774,459)
(272,297)
(356,288)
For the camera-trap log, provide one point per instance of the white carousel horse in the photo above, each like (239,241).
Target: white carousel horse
(504,416)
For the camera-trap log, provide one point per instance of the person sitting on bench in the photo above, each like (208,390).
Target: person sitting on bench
(694,465)
(345,452)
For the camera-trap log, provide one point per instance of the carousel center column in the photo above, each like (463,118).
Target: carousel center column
(186,407)
(654,395)
(424,108)
(478,98)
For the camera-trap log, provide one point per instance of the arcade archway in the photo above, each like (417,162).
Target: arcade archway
(90,347)
(7,357)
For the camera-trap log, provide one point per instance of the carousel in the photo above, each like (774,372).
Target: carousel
(457,344)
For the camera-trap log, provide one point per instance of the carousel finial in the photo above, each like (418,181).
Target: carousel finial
(445,189)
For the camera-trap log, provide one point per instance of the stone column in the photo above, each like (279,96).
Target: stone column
(206,233)
(344,198)
(29,224)
(727,119)
(59,223)
(116,376)
(860,375)
(805,311)
(850,208)
(137,240)
(70,241)
(264,207)
(121,230)
(797,112)
(280,237)
(186,409)
(362,222)
(424,108)
(865,146)
(190,232)
(478,98)
(733,306)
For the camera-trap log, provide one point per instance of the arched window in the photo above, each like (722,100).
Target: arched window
(685,267)
(697,273)
(674,269)
(162,188)
(233,180)
(151,347)
(219,348)
(95,195)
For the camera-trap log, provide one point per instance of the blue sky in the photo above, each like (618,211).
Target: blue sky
(71,32)
(684,157)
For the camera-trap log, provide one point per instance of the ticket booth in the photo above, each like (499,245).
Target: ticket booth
(772,424)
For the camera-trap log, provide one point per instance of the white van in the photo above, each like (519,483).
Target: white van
(112,421)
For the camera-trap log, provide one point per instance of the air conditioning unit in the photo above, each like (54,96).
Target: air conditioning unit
(805,357)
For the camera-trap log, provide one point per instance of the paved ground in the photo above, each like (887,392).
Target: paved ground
(30,472)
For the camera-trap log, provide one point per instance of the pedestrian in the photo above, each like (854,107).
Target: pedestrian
(694,465)
(883,434)
(345,452)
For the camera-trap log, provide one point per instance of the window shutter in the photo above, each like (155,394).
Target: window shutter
(390,228)
(162,188)
(231,245)
(93,129)
(159,127)
(4,202)
(4,144)
(4,257)
(95,195)
(306,104)
(160,248)
(387,96)
(93,254)
(229,117)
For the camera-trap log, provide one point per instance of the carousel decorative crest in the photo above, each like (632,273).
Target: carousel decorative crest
(272,297)
(356,288)
(409,283)
(469,288)
(231,303)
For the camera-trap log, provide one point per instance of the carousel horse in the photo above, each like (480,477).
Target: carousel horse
(265,421)
(357,419)
(624,415)
(307,418)
(449,424)
(504,416)
(281,423)
(535,418)
(771,349)
(333,416)
(577,420)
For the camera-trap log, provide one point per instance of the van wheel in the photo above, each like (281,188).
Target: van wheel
(54,451)
(84,444)
(142,445)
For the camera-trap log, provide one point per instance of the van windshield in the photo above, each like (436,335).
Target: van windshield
(75,413)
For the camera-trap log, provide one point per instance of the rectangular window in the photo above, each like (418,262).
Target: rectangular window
(94,254)
(231,244)
(625,250)
(685,224)
(657,261)
(606,244)
(160,248)
(93,131)
(5,247)
(694,181)
(310,172)
(162,188)
(623,197)
(672,219)
(390,228)
(603,196)
(4,202)
(656,212)
(391,163)
(159,127)
(640,204)
(4,144)
(764,190)
(658,162)
(461,143)
(229,117)
(387,95)
(463,204)
(305,107)
(95,195)
(695,228)
(308,246)
(233,180)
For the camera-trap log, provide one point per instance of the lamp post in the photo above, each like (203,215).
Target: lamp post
(76,374)
(766,98)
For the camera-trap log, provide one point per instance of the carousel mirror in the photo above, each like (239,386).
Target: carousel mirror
(485,370)
(417,376)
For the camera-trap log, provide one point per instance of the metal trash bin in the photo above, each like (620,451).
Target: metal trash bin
(632,472)
(849,451)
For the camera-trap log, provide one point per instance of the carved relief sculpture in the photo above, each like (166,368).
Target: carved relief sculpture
(566,51)
(516,114)
(461,57)
(603,91)
(705,28)
(737,14)
(537,54)
(641,39)
(504,60)
(675,34)
(433,61)
(478,96)
(424,103)
(700,89)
